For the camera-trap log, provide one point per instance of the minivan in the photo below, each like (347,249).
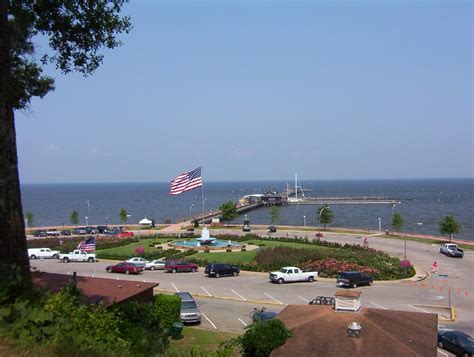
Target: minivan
(189,309)
(219,270)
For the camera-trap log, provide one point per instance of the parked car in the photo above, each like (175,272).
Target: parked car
(353,279)
(189,309)
(35,253)
(41,234)
(457,342)
(53,232)
(101,229)
(451,250)
(174,266)
(291,274)
(155,265)
(318,235)
(91,230)
(111,232)
(246,228)
(79,231)
(78,256)
(271,229)
(124,234)
(219,270)
(125,268)
(137,261)
(65,232)
(261,315)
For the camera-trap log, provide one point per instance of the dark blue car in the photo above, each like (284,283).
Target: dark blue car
(457,342)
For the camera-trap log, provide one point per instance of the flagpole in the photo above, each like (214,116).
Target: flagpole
(202,198)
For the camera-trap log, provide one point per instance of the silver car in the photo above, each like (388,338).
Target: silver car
(137,261)
(189,309)
(155,265)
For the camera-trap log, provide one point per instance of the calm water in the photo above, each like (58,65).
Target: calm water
(423,201)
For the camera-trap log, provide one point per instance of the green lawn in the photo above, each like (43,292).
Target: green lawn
(204,340)
(129,249)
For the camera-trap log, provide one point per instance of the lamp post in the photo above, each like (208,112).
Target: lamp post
(393,207)
(106,221)
(319,219)
(26,223)
(190,208)
(380,224)
(87,221)
(304,221)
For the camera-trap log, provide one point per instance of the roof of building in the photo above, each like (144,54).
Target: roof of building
(319,330)
(348,293)
(95,290)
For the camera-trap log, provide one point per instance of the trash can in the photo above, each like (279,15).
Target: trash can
(176,329)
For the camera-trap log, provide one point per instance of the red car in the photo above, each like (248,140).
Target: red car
(126,268)
(124,234)
(174,266)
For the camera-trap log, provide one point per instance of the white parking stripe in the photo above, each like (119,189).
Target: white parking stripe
(302,298)
(442,352)
(379,306)
(236,293)
(175,288)
(215,328)
(243,322)
(274,299)
(417,308)
(207,292)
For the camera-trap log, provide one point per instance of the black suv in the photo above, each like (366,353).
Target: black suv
(219,270)
(353,279)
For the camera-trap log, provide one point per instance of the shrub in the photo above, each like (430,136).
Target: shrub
(168,308)
(228,250)
(261,338)
(139,251)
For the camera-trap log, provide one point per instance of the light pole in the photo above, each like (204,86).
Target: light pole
(319,219)
(26,223)
(304,221)
(106,221)
(393,207)
(87,221)
(190,208)
(380,224)
(203,214)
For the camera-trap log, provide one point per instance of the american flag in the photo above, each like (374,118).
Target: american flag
(87,245)
(186,182)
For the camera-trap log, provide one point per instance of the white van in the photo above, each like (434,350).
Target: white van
(35,253)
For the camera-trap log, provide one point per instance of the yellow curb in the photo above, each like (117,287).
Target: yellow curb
(454,314)
(260,302)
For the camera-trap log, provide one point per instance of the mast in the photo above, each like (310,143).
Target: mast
(296,186)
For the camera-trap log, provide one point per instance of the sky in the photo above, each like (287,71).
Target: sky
(259,90)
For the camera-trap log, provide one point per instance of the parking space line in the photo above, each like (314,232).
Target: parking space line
(273,299)
(243,323)
(302,298)
(175,288)
(236,293)
(443,353)
(207,292)
(417,308)
(379,306)
(215,328)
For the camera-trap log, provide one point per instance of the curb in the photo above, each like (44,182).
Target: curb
(259,302)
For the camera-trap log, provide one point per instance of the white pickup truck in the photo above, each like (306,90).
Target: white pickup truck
(77,256)
(35,253)
(451,250)
(290,274)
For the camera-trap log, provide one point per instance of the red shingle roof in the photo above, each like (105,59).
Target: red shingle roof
(322,331)
(95,290)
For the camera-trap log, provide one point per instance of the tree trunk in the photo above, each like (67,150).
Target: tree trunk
(13,249)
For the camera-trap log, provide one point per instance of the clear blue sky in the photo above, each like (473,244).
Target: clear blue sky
(258,90)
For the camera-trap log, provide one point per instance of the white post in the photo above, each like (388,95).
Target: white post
(304,220)
(380,224)
(296,187)
(87,221)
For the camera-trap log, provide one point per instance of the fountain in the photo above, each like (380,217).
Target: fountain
(205,241)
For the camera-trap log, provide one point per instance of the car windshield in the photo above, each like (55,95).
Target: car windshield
(283,270)
(188,305)
(466,340)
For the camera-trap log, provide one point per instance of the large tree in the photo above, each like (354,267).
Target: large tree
(324,215)
(123,215)
(76,31)
(397,222)
(228,211)
(449,225)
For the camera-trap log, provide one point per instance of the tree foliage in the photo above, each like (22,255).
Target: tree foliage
(274,214)
(74,218)
(324,215)
(261,338)
(397,222)
(449,225)
(30,218)
(228,211)
(123,215)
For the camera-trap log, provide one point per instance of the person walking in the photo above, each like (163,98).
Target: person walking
(435,267)
(366,242)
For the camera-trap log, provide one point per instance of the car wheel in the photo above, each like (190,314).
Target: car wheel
(66,260)
(281,281)
(152,268)
(440,344)
(370,283)
(193,270)
(127,272)
(354,285)
(55,256)
(90,260)
(311,279)
(173,271)
(33,256)
(218,275)
(235,273)
(109,270)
